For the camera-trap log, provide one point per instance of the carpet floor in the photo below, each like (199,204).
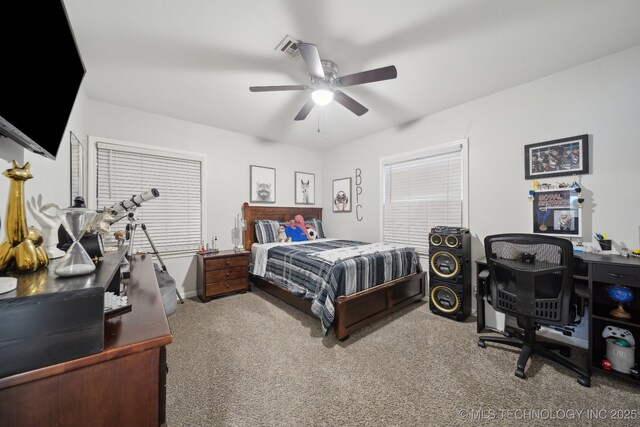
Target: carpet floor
(253,360)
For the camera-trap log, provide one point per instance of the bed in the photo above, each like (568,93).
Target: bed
(352,312)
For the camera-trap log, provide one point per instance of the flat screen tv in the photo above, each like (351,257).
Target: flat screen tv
(40,74)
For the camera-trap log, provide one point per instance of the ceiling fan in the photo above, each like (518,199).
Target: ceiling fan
(325,82)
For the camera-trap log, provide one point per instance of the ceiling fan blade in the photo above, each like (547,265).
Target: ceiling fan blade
(349,103)
(384,73)
(306,109)
(312,59)
(277,88)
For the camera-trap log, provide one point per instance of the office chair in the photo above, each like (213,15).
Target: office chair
(531,278)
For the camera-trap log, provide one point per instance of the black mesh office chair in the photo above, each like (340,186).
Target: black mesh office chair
(531,279)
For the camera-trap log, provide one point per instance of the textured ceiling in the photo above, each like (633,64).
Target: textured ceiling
(195,59)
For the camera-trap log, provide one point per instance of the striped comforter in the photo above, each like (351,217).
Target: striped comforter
(291,267)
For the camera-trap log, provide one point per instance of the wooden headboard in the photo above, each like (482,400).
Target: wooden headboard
(253,213)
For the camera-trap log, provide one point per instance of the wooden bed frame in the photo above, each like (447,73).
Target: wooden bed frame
(352,312)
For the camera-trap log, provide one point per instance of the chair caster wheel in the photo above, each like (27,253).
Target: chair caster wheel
(520,373)
(482,344)
(565,352)
(584,381)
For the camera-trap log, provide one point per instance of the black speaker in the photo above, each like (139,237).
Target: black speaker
(450,272)
(451,300)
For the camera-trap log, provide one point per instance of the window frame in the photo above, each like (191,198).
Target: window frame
(428,152)
(145,148)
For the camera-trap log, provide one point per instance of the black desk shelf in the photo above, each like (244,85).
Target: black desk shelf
(598,272)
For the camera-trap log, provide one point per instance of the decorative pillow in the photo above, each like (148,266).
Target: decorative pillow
(267,230)
(296,234)
(317,224)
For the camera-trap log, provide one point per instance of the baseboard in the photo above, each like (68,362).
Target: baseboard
(189,294)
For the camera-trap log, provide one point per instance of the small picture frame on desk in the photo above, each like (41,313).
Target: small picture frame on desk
(556,213)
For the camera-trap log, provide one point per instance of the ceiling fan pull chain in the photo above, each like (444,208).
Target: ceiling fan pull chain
(326,122)
(319,119)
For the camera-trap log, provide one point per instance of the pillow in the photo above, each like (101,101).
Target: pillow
(295,234)
(267,230)
(317,224)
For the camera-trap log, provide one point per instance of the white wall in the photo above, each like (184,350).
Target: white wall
(228,157)
(600,98)
(51,178)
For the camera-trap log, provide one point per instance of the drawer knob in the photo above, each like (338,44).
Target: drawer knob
(228,262)
(228,274)
(228,285)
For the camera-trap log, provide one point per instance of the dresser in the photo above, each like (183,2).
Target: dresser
(222,273)
(123,385)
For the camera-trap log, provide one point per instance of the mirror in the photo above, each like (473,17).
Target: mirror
(78,169)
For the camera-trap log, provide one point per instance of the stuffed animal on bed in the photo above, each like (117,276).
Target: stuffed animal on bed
(297,230)
(282,235)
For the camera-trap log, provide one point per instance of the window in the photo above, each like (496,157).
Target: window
(422,190)
(174,219)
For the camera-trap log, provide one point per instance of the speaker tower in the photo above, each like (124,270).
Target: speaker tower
(450,272)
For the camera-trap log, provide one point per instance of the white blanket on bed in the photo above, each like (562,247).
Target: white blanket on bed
(333,256)
(259,253)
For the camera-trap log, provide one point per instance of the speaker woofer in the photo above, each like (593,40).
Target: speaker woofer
(435,239)
(444,264)
(451,241)
(444,299)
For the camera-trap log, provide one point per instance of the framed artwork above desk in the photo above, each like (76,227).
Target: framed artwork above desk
(556,213)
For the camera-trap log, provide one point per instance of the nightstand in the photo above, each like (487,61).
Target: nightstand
(222,273)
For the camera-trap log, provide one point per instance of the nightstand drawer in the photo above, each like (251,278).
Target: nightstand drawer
(226,286)
(226,274)
(228,262)
(616,274)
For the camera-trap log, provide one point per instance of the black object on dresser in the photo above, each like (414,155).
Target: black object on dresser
(450,272)
(222,273)
(50,319)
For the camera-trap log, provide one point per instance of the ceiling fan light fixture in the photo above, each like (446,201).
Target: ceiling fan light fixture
(322,96)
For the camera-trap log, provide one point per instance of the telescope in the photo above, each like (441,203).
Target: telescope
(134,202)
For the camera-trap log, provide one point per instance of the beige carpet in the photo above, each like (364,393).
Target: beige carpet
(252,360)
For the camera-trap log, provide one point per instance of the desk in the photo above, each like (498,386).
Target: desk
(593,273)
(122,385)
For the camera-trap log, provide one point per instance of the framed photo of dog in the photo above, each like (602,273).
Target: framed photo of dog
(263,184)
(305,188)
(342,195)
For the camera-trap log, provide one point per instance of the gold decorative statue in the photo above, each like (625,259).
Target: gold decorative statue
(22,249)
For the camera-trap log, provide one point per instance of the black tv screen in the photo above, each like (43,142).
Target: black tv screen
(40,73)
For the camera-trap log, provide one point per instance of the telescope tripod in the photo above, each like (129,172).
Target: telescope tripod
(131,232)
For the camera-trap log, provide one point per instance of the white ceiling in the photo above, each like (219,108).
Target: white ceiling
(195,59)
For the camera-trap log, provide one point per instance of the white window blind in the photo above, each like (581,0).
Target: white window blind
(419,194)
(174,219)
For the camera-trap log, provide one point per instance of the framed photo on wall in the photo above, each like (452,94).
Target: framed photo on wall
(560,157)
(305,188)
(556,213)
(342,195)
(262,181)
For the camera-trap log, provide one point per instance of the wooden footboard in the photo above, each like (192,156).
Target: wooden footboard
(356,311)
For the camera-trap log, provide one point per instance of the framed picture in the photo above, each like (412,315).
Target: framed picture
(305,188)
(263,184)
(567,156)
(556,212)
(342,195)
